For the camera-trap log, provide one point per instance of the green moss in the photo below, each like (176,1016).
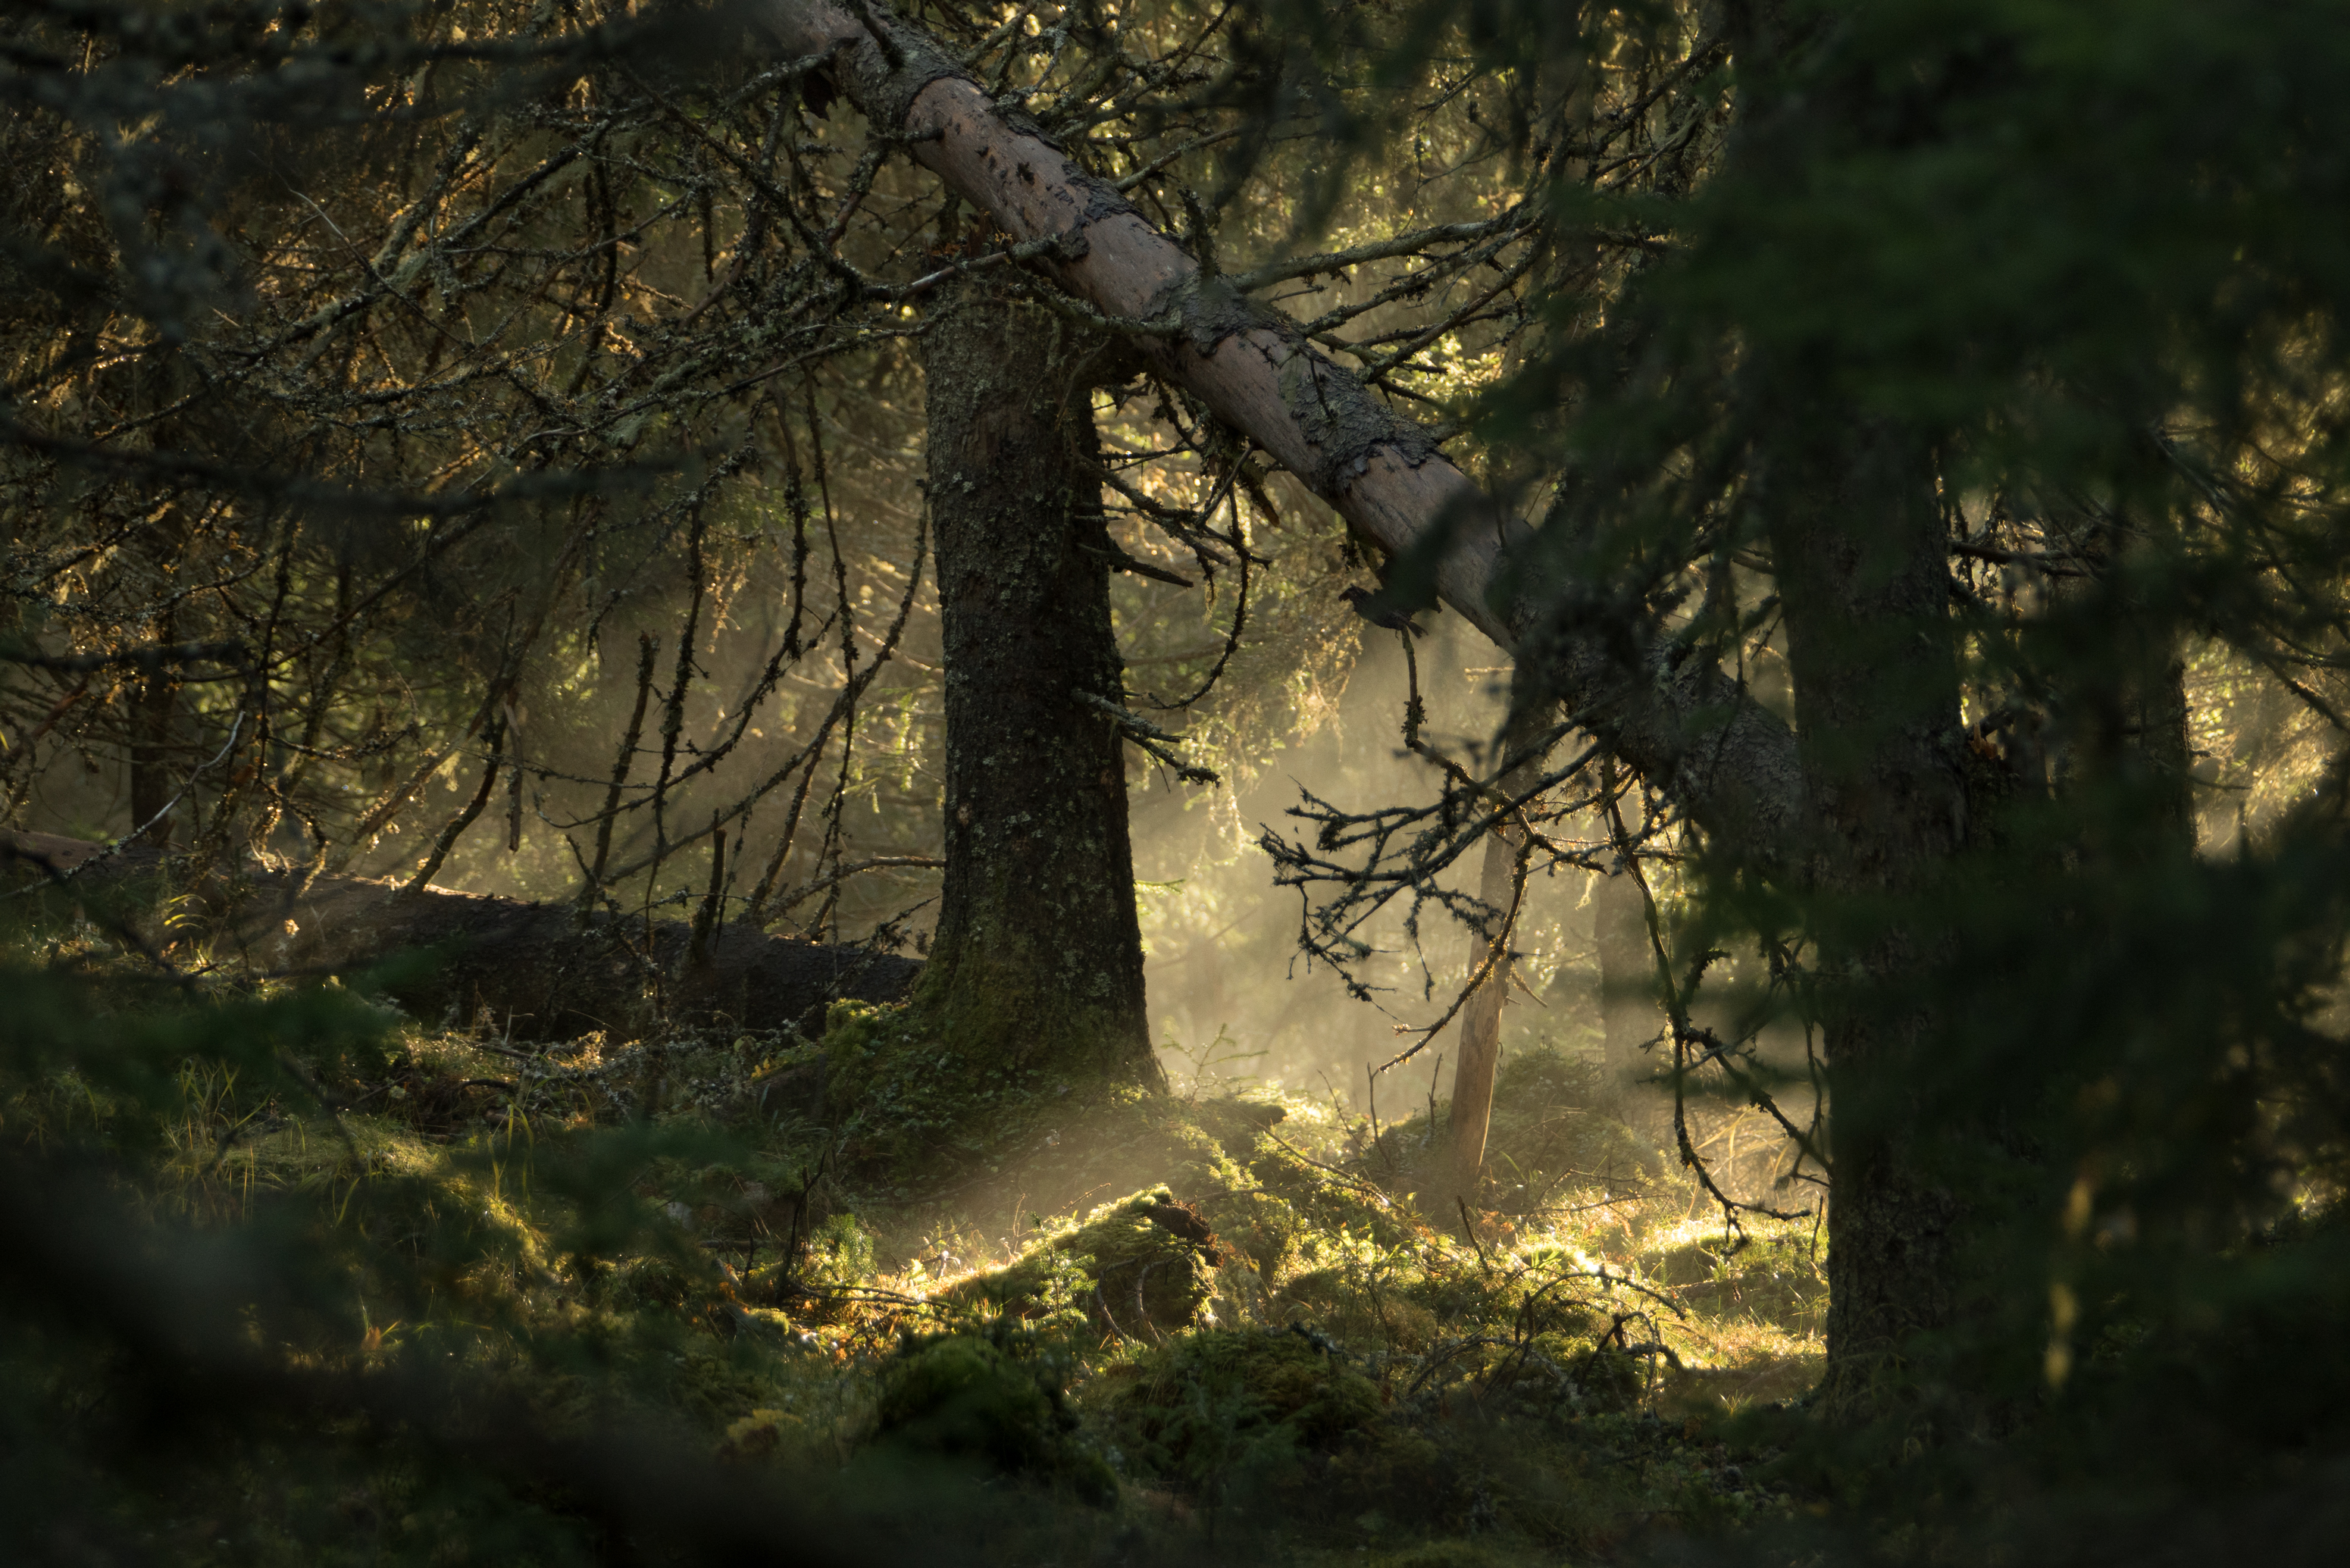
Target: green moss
(651,1282)
(1554,1126)
(761,1434)
(919,1106)
(1263,1228)
(1326,1203)
(1773,1275)
(1017,1005)
(1114,1140)
(921,1096)
(1445,1555)
(995,1400)
(1129,1267)
(1237,1123)
(1357,1308)
(1552,1116)
(1230,1414)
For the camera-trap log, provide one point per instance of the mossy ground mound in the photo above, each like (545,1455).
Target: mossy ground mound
(992,1399)
(1556,1131)
(1229,1413)
(916,1116)
(1141,1268)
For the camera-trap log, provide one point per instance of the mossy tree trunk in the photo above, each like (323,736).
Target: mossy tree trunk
(1036,961)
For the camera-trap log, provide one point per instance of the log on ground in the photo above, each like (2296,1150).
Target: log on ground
(527,967)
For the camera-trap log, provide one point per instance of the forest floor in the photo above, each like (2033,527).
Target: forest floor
(1176,1328)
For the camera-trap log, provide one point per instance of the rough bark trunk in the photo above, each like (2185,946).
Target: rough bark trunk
(1037,956)
(505,964)
(1471,1115)
(1685,726)
(1864,577)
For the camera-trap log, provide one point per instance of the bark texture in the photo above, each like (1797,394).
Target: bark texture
(1037,957)
(1687,727)
(1864,577)
(505,964)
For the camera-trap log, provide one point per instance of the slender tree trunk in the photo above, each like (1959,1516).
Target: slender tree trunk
(2163,748)
(151,782)
(156,699)
(1036,961)
(1627,992)
(1471,1115)
(2131,722)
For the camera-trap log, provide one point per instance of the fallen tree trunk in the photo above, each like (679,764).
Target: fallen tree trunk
(505,964)
(1681,722)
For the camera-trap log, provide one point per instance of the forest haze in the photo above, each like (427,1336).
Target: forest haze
(1436,782)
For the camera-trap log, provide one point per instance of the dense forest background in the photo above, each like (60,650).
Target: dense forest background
(710,850)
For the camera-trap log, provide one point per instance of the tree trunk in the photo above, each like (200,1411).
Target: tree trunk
(151,783)
(2129,724)
(1864,581)
(1864,577)
(1471,1114)
(1628,996)
(1037,956)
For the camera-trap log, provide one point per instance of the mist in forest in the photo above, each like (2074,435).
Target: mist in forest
(1231,995)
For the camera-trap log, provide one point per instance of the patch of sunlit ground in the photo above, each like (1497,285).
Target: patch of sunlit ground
(1754,1307)
(1743,1313)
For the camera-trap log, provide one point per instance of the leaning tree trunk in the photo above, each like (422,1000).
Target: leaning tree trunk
(1684,723)
(1036,961)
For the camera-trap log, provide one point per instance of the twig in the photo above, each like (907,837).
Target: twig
(1471,1226)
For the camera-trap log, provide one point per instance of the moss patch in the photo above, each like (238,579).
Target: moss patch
(1141,1267)
(995,1400)
(1231,1413)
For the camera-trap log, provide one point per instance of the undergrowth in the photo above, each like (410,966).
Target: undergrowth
(474,1277)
